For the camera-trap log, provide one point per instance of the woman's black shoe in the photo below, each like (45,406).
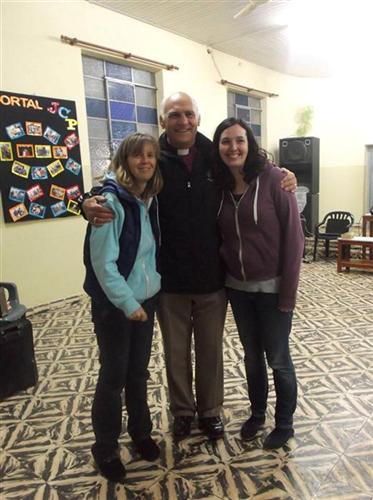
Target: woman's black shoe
(277,438)
(148,449)
(250,428)
(111,468)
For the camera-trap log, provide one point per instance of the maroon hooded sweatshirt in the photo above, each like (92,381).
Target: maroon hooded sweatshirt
(262,236)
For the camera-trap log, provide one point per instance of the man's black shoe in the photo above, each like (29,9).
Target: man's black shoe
(111,468)
(212,426)
(250,428)
(148,449)
(182,425)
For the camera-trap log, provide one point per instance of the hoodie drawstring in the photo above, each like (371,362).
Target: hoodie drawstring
(255,207)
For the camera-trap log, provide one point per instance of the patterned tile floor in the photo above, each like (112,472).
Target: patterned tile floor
(46,431)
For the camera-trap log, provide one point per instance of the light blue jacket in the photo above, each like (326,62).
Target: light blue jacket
(144,281)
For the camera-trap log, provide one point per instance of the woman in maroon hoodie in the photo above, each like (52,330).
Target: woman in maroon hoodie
(262,246)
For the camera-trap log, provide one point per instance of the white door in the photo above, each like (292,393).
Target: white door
(369,178)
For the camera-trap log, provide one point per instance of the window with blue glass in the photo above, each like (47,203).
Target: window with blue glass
(120,100)
(249,109)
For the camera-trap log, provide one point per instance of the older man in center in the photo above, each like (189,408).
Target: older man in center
(193,300)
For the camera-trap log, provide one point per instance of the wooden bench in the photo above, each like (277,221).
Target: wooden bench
(363,243)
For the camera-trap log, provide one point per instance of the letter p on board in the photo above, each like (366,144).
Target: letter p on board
(72,123)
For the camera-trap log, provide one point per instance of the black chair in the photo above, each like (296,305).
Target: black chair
(334,224)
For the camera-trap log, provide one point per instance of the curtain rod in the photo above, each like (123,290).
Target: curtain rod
(237,86)
(125,55)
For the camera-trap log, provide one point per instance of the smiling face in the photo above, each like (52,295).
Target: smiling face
(142,164)
(234,147)
(180,119)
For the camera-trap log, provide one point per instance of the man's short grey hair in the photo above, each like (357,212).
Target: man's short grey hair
(165,99)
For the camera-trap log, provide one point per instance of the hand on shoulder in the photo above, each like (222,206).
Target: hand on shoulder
(289,181)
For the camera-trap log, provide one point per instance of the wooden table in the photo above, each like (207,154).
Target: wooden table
(344,253)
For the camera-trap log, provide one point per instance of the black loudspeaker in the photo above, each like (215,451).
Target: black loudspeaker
(18,369)
(301,155)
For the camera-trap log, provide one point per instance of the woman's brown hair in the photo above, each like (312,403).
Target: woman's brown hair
(133,145)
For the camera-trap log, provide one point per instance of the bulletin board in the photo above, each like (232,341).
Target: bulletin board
(40,162)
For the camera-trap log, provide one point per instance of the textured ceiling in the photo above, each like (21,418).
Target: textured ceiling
(259,30)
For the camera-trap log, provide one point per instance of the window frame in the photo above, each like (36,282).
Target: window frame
(235,106)
(110,142)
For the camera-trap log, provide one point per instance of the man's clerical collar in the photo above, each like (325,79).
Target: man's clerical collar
(183,152)
(180,152)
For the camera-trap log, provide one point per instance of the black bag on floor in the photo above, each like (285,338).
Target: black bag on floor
(18,369)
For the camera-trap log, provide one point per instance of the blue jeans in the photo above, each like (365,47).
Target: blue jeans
(264,332)
(124,348)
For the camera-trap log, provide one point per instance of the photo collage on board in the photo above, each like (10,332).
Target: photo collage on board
(40,162)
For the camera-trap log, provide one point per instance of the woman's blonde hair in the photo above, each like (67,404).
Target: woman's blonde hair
(133,145)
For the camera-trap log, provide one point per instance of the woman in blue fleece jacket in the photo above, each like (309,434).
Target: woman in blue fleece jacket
(123,282)
(262,246)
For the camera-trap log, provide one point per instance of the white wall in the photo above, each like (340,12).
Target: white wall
(44,258)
